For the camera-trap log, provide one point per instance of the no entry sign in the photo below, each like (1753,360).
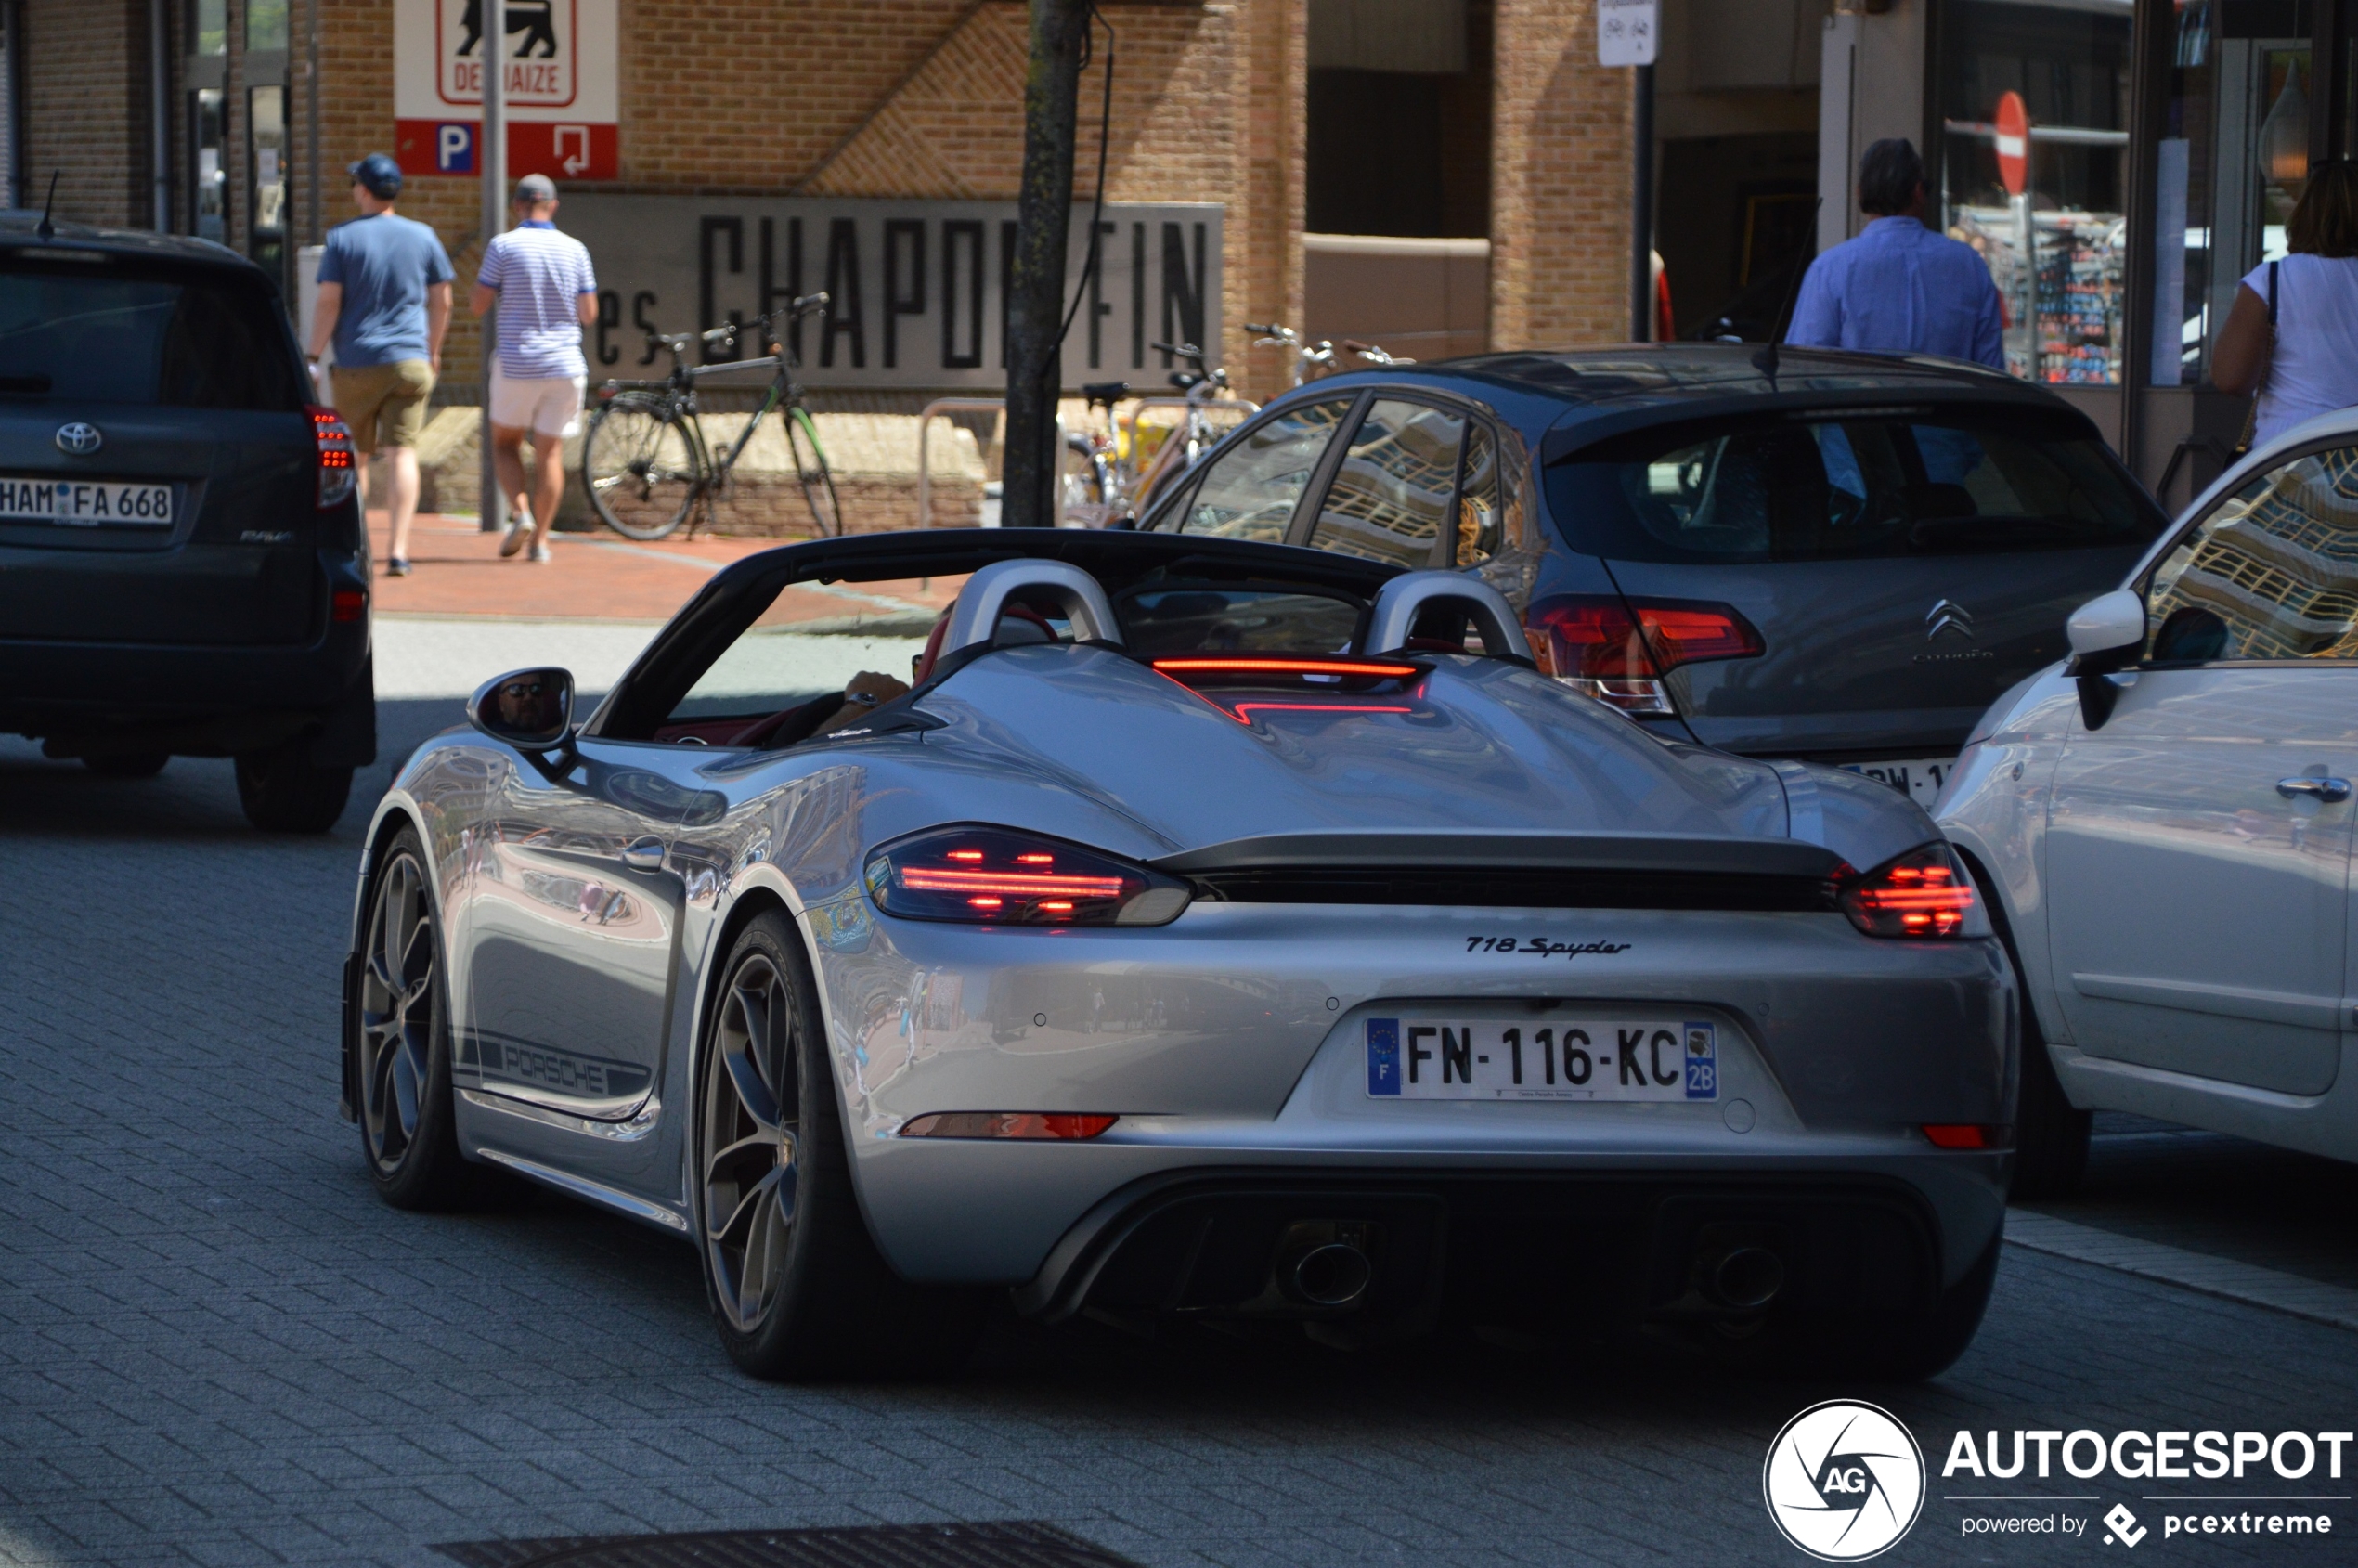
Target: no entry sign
(2013,143)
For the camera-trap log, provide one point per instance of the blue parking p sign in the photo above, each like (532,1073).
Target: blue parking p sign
(454,148)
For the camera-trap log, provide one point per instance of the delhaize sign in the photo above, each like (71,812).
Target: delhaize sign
(560,92)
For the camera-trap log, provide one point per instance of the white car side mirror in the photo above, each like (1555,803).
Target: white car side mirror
(2106,623)
(2106,634)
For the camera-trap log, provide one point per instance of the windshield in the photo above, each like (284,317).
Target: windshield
(1819,486)
(89,332)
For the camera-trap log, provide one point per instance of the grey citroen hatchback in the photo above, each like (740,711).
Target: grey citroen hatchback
(1845,559)
(182,567)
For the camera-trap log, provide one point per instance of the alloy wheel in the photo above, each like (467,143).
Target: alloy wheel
(750,1142)
(396,1012)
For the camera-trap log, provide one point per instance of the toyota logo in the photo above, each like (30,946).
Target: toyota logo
(79,439)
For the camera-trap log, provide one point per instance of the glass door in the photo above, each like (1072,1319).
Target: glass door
(2031,171)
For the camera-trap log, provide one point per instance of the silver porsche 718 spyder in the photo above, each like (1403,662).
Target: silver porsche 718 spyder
(1217,932)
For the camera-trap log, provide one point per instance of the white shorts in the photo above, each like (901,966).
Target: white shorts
(544,405)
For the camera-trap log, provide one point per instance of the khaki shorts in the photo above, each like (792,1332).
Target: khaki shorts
(385,405)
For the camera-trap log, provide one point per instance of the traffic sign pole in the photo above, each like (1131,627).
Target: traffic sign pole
(491,163)
(1627,33)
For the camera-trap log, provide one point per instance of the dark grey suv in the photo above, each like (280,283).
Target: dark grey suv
(182,567)
(1845,561)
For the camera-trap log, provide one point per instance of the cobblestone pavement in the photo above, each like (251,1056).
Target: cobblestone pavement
(216,1347)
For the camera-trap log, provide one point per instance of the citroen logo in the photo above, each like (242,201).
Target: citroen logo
(1949,616)
(79,439)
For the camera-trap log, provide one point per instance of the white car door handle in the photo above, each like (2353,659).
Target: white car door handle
(646,854)
(2324,789)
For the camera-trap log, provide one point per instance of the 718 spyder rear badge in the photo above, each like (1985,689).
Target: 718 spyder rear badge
(1540,947)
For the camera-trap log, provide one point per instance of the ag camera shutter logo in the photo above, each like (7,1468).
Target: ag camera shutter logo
(1844,1481)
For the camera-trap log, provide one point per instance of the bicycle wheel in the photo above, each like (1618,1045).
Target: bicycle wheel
(810,467)
(639,466)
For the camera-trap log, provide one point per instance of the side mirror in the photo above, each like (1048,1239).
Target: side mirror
(2111,623)
(2106,634)
(530,709)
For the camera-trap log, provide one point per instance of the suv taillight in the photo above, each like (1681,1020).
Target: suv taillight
(1618,652)
(339,464)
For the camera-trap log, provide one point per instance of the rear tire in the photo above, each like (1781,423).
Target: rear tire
(638,468)
(397,1029)
(282,792)
(810,467)
(798,1288)
(128,764)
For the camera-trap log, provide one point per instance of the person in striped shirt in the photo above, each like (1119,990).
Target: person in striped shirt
(547,291)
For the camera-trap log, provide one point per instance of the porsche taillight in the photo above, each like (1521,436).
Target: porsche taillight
(1922,893)
(1000,876)
(339,463)
(1618,651)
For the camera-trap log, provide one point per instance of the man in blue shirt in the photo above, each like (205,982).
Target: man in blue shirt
(385,297)
(1898,287)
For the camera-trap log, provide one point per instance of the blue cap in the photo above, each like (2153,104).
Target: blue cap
(380,174)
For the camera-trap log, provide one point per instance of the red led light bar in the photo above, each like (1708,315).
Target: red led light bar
(1206,666)
(1240,709)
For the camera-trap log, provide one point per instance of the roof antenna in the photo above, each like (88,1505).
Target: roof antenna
(1765,360)
(48,229)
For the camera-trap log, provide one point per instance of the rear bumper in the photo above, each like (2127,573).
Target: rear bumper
(1683,1256)
(201,701)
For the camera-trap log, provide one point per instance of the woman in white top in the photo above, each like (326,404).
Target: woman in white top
(2308,365)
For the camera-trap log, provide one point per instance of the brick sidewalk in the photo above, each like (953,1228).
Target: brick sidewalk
(603,577)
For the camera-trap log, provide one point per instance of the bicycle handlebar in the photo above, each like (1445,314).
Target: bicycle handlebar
(1183,350)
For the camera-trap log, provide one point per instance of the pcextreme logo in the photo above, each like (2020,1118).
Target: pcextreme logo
(1844,1481)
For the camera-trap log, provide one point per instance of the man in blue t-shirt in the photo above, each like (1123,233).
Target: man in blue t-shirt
(384,298)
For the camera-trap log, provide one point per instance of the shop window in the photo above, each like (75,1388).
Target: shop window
(2231,164)
(209,196)
(2045,209)
(266,175)
(265,24)
(209,27)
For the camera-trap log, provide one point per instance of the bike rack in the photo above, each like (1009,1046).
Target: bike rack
(925,417)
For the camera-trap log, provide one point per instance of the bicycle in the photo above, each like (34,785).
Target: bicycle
(645,464)
(1189,441)
(1310,360)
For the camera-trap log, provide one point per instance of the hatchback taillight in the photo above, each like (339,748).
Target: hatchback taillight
(1618,652)
(1922,893)
(998,877)
(339,464)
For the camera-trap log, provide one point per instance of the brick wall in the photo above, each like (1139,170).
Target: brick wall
(923,98)
(86,107)
(1560,181)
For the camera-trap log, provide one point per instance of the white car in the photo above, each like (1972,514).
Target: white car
(2163,823)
